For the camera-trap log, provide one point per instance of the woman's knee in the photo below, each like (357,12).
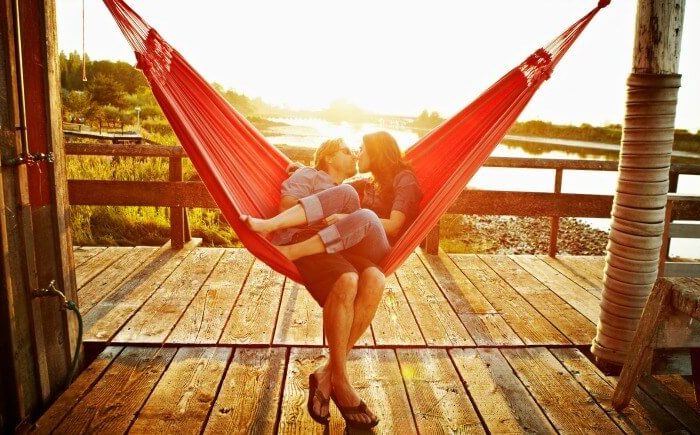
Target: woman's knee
(345,288)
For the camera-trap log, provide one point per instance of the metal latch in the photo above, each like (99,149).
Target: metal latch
(29,159)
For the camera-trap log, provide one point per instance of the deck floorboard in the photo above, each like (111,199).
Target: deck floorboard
(209,340)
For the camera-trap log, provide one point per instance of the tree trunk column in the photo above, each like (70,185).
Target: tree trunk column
(640,198)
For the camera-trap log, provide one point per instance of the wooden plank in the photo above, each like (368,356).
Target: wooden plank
(573,294)
(294,418)
(94,266)
(484,323)
(503,402)
(156,318)
(570,322)
(548,382)
(590,267)
(252,319)
(375,375)
(643,415)
(682,387)
(181,401)
(686,231)
(105,319)
(528,323)
(438,399)
(678,268)
(110,279)
(204,320)
(576,275)
(300,319)
(393,323)
(438,322)
(671,402)
(77,390)
(110,406)
(250,393)
(81,254)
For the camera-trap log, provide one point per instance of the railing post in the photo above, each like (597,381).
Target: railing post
(666,239)
(554,228)
(666,246)
(432,241)
(178,216)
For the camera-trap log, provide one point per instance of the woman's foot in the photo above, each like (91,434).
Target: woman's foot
(321,404)
(345,397)
(262,226)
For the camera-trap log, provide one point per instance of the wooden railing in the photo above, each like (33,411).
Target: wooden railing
(178,194)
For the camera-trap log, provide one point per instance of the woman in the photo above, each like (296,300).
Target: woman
(364,217)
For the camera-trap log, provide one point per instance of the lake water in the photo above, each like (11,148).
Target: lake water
(312,132)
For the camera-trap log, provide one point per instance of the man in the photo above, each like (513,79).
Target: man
(347,287)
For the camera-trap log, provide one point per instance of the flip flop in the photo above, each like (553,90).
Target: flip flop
(361,408)
(315,392)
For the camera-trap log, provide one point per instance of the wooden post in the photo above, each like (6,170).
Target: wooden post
(554,230)
(37,337)
(432,241)
(645,157)
(178,234)
(666,239)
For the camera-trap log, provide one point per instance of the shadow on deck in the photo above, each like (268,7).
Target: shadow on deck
(209,339)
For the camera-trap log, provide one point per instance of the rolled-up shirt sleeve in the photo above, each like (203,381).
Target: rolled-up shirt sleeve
(407,193)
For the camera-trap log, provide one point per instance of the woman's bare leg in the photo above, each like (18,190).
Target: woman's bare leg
(292,217)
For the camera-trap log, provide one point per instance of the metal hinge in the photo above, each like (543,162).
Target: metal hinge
(29,159)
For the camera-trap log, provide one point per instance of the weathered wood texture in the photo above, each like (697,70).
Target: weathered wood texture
(264,390)
(210,296)
(657,43)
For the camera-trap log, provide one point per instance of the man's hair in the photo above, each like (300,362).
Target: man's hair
(327,149)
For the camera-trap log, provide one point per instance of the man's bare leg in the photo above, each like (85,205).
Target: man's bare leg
(369,294)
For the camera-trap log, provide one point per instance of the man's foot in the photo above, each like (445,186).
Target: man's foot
(354,410)
(261,226)
(320,401)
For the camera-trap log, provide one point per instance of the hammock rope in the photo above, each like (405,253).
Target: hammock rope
(243,172)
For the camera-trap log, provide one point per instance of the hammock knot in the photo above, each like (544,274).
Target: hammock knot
(156,58)
(538,66)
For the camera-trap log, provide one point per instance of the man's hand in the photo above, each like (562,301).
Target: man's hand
(330,220)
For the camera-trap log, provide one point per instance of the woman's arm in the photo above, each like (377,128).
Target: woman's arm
(393,225)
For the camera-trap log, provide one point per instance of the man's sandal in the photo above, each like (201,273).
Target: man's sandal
(315,392)
(361,408)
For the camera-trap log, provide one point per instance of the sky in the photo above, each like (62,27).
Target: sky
(396,57)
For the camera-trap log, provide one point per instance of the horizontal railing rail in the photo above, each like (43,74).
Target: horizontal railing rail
(178,194)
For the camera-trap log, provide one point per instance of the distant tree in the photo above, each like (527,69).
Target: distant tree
(126,75)
(76,103)
(71,68)
(105,90)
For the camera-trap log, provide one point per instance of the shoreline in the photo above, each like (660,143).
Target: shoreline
(478,234)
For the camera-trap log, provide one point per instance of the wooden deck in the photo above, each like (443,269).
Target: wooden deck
(207,339)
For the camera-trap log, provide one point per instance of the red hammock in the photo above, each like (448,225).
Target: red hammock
(243,172)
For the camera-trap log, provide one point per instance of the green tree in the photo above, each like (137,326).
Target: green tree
(105,90)
(76,103)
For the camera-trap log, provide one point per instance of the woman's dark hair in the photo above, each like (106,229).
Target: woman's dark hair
(385,161)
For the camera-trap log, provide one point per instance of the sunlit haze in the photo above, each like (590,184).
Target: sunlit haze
(396,57)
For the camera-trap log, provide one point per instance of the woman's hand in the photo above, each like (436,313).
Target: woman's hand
(330,220)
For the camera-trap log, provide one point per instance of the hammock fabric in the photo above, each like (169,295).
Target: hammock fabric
(243,172)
